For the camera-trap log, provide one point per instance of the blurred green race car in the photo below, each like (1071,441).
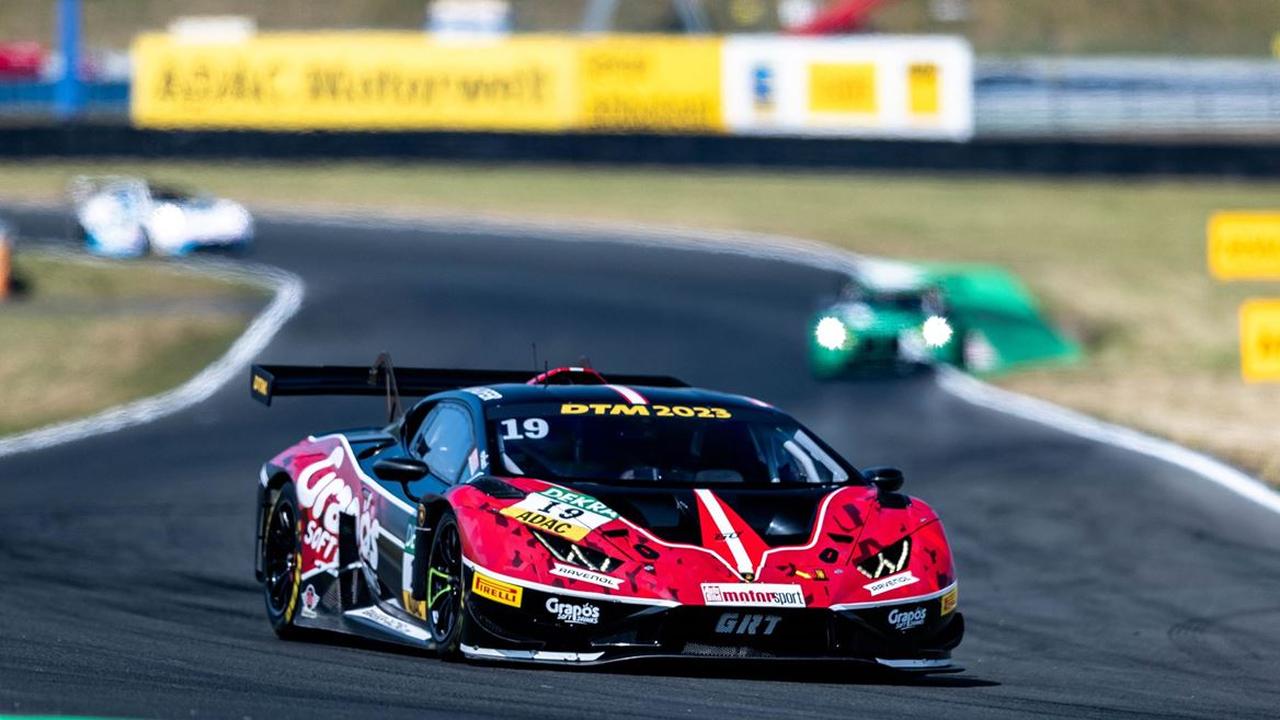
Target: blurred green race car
(895,317)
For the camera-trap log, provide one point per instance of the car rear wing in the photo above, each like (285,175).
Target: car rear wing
(270,381)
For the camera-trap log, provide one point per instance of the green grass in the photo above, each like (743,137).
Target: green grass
(1119,264)
(87,336)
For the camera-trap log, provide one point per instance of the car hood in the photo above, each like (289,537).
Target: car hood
(673,542)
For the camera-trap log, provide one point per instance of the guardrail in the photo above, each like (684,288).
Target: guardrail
(1054,157)
(1126,97)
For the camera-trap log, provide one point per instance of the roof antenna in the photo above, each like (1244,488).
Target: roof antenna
(584,361)
(382,366)
(535,357)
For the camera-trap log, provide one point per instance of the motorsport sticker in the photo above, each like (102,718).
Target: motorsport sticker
(584,575)
(310,599)
(567,514)
(906,619)
(949,602)
(892,582)
(679,411)
(496,590)
(752,594)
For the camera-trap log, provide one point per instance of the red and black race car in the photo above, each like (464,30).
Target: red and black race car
(577,520)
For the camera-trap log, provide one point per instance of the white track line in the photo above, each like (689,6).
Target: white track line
(288,292)
(979,393)
(823,257)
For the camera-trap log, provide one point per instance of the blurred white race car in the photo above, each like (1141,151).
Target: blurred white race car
(126,217)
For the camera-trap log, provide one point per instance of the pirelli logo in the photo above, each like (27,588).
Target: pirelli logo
(496,590)
(949,602)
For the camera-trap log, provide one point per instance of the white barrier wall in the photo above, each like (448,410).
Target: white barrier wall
(874,86)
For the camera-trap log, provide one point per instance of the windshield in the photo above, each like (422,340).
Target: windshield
(929,300)
(660,444)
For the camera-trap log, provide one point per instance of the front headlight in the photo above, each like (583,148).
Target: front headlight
(573,554)
(936,331)
(890,560)
(831,333)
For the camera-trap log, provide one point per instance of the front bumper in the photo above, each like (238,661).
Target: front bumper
(547,627)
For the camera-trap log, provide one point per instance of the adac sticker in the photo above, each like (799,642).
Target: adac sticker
(567,514)
(496,590)
(578,500)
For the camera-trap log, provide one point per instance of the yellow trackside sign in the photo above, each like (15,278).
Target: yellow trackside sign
(843,88)
(372,81)
(403,81)
(923,89)
(356,81)
(1260,340)
(652,83)
(1244,245)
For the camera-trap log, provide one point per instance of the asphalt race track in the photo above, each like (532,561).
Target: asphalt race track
(1096,582)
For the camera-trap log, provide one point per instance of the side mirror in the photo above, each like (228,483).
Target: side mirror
(403,470)
(886,479)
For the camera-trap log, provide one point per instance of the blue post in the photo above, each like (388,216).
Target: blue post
(68,97)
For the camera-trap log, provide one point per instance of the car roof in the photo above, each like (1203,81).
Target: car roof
(515,393)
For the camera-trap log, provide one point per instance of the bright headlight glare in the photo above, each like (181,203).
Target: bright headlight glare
(168,220)
(936,331)
(831,333)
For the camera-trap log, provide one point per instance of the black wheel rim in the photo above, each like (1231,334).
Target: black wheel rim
(444,582)
(281,556)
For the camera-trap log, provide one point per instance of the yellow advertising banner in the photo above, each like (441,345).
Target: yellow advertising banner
(843,88)
(390,81)
(651,83)
(1244,245)
(355,81)
(1260,340)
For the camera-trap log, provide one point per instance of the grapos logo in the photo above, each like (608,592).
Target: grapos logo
(907,619)
(584,614)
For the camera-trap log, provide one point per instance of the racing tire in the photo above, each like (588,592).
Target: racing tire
(445,590)
(282,563)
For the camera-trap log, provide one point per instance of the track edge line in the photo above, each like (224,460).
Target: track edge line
(288,292)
